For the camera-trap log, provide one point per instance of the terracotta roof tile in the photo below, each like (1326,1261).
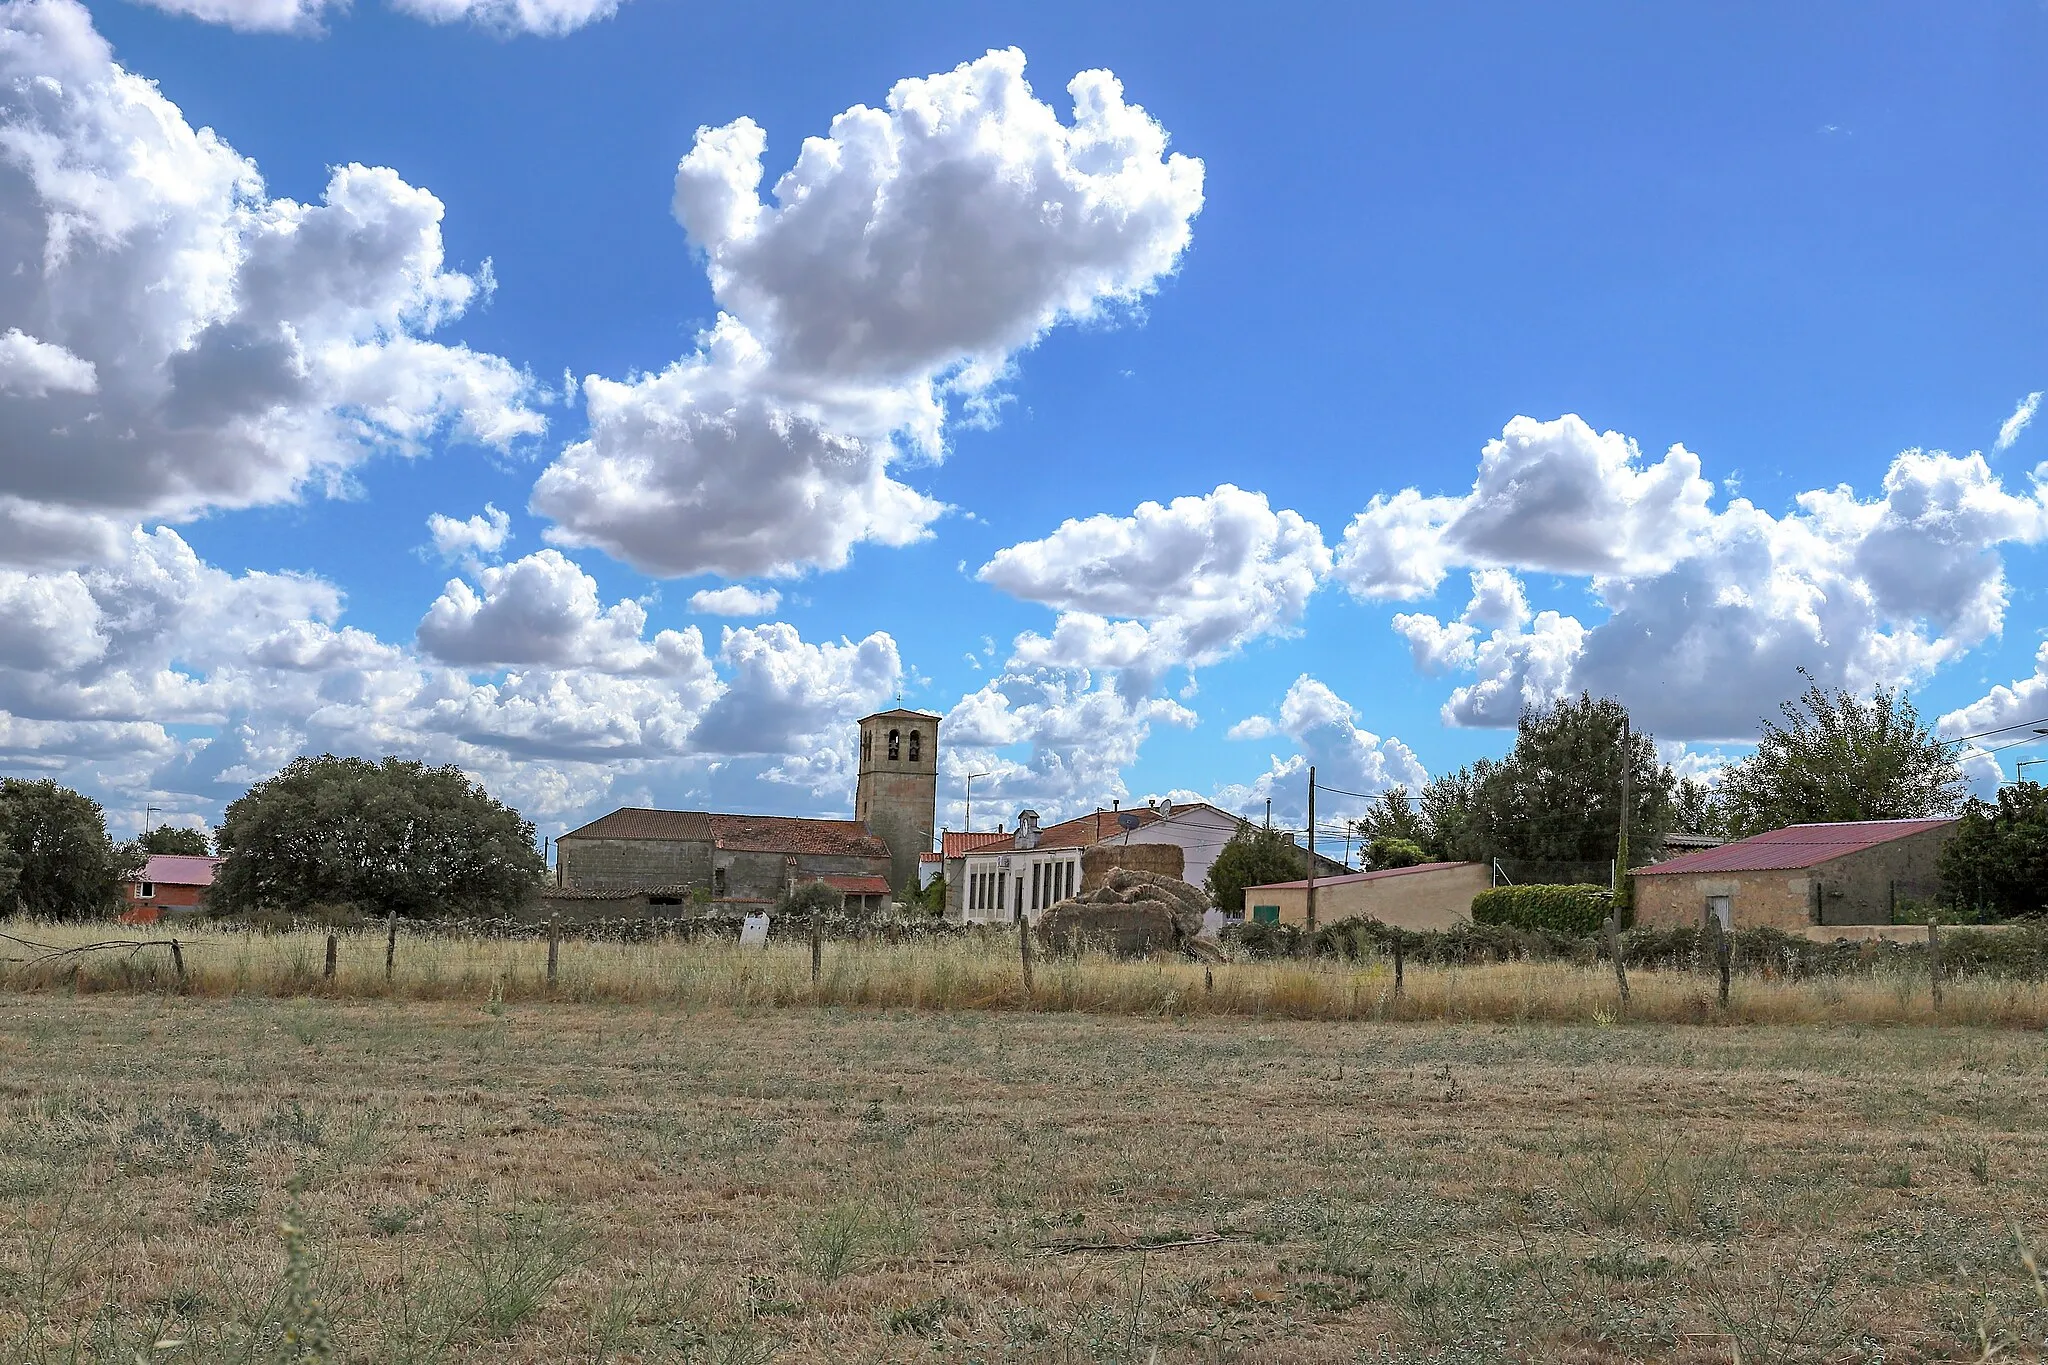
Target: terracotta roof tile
(857,886)
(960,843)
(738,833)
(1796,846)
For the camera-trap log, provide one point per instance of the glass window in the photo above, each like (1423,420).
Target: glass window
(146,891)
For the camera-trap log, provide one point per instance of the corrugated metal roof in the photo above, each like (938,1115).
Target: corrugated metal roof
(1795,846)
(1355,877)
(179,869)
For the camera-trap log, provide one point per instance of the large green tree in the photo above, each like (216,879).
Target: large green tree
(175,839)
(1837,756)
(1997,861)
(1254,856)
(1556,797)
(56,861)
(382,837)
(1394,814)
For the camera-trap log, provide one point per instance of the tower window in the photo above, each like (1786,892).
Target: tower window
(916,741)
(867,744)
(895,745)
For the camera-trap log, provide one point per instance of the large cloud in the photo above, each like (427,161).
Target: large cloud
(1326,734)
(904,259)
(180,341)
(158,678)
(1199,578)
(551,17)
(1056,740)
(1710,614)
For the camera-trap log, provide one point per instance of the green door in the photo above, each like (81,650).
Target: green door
(1265,914)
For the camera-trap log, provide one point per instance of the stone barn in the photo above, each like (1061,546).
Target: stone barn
(1851,873)
(700,855)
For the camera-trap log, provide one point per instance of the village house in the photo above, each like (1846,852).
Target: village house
(1427,896)
(1033,868)
(1851,873)
(167,883)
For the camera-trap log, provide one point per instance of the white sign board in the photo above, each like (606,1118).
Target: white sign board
(754,931)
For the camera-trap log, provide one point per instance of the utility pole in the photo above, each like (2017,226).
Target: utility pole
(1621,835)
(970,799)
(1311,848)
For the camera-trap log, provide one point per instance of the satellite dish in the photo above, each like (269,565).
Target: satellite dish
(1128,820)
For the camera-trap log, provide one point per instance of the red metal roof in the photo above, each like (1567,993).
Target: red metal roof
(1796,846)
(179,869)
(1353,877)
(959,843)
(857,886)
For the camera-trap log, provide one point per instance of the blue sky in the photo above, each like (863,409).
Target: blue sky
(1795,243)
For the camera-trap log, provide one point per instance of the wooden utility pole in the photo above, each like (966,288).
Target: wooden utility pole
(1621,903)
(1311,848)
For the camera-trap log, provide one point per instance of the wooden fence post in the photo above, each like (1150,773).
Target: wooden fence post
(1024,948)
(390,945)
(1208,980)
(554,946)
(1934,959)
(328,971)
(178,961)
(1614,951)
(817,949)
(1400,961)
(1724,954)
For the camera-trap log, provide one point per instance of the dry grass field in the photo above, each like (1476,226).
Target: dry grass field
(245,1177)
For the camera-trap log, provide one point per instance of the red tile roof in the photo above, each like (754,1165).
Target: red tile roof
(1796,846)
(1349,878)
(928,856)
(1085,830)
(857,886)
(179,869)
(738,833)
(960,843)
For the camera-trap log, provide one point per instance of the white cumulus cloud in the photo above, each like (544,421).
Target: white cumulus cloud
(904,259)
(547,17)
(1326,734)
(179,340)
(1197,579)
(482,534)
(736,600)
(1709,614)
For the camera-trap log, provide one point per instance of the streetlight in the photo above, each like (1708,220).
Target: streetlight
(2019,769)
(970,800)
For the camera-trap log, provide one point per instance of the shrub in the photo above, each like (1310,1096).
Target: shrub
(1573,910)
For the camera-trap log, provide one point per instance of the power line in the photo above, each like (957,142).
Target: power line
(2023,725)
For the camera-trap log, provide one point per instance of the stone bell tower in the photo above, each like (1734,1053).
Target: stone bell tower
(897,791)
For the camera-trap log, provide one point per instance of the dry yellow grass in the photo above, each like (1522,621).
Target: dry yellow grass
(528,1180)
(971,974)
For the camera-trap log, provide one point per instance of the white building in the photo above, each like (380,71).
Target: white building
(1035,868)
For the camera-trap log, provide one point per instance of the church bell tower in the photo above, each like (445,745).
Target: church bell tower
(897,790)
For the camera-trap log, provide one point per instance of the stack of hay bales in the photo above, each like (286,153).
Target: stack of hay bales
(1131,914)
